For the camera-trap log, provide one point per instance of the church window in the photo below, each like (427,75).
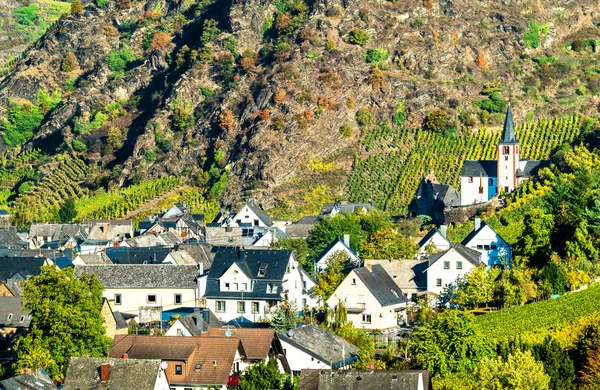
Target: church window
(490,182)
(506,187)
(481,190)
(505,150)
(506,158)
(470,179)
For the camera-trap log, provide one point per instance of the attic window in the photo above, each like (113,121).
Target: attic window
(22,319)
(395,293)
(262,270)
(10,316)
(198,366)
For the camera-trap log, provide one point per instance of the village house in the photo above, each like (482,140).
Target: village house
(10,240)
(194,324)
(444,268)
(138,255)
(111,373)
(190,362)
(113,231)
(494,249)
(480,180)
(41,233)
(36,380)
(252,283)
(336,246)
(371,297)
(146,290)
(365,380)
(114,322)
(332,209)
(314,347)
(434,241)
(92,246)
(407,274)
(432,198)
(14,322)
(248,215)
(91,259)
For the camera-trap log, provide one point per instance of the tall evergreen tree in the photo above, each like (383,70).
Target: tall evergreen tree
(557,363)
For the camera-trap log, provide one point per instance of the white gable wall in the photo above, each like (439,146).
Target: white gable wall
(495,251)
(436,272)
(438,240)
(469,189)
(246,215)
(177,329)
(339,246)
(134,298)
(300,360)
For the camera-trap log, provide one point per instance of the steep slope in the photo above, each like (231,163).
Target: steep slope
(273,98)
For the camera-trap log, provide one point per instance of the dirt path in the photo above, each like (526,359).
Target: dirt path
(152,203)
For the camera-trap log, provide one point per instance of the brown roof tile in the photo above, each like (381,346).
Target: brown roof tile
(256,342)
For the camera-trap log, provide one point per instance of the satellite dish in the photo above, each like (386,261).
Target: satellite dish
(228,333)
(164,365)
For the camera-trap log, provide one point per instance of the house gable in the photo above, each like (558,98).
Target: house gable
(496,251)
(234,279)
(336,246)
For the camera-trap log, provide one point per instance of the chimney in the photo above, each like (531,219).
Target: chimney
(347,240)
(443,230)
(370,267)
(477,223)
(126,356)
(104,372)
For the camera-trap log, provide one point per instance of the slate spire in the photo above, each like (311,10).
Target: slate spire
(508,133)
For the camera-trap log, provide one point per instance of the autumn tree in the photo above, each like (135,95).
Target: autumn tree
(69,63)
(519,372)
(124,4)
(66,321)
(590,373)
(160,41)
(226,120)
(338,266)
(388,244)
(76,7)
(115,137)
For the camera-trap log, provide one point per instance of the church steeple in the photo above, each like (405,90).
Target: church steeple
(508,133)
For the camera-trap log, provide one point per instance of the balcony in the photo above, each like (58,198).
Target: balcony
(355,308)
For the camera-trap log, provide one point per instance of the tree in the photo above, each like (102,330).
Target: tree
(69,62)
(114,137)
(590,373)
(436,120)
(286,317)
(557,363)
(264,376)
(226,120)
(387,244)
(160,40)
(477,287)
(334,274)
(67,211)
(300,249)
(451,342)
(519,372)
(76,7)
(514,287)
(66,321)
(330,228)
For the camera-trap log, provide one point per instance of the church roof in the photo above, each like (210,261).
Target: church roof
(532,167)
(508,133)
(474,168)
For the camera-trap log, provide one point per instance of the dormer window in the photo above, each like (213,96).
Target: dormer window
(271,288)
(262,270)
(10,317)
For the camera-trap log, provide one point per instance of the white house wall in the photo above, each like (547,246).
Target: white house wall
(485,238)
(246,215)
(134,298)
(339,246)
(469,192)
(447,276)
(438,241)
(300,360)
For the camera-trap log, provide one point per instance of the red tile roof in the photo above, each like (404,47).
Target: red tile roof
(257,342)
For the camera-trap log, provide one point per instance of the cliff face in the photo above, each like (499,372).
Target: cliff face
(257,99)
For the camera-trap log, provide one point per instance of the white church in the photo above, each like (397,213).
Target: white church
(480,180)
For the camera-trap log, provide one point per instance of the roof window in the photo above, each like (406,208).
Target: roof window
(262,270)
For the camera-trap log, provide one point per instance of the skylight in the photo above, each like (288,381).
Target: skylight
(262,270)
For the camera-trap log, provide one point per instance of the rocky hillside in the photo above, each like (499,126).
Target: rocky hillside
(271,98)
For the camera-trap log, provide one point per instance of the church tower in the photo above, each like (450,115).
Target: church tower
(508,155)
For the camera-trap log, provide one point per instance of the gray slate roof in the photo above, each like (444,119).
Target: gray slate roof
(407,274)
(430,234)
(508,132)
(532,167)
(381,285)
(320,343)
(57,231)
(197,321)
(26,266)
(476,168)
(139,374)
(266,219)
(37,380)
(12,305)
(143,275)
(367,380)
(10,240)
(471,255)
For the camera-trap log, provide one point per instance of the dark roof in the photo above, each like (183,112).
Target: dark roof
(26,266)
(12,305)
(37,380)
(368,380)
(446,194)
(201,253)
(484,168)
(327,208)
(430,234)
(57,231)
(508,132)
(200,320)
(143,275)
(380,284)
(83,373)
(249,261)
(137,255)
(469,254)
(259,213)
(330,247)
(120,320)
(10,240)
(63,262)
(532,167)
(309,220)
(320,343)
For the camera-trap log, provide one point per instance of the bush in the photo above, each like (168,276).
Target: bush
(78,145)
(346,130)
(27,15)
(69,63)
(160,41)
(118,60)
(400,114)
(493,104)
(76,7)
(101,3)
(376,55)
(358,36)
(150,156)
(376,77)
(70,84)
(436,120)
(418,22)
(533,34)
(364,116)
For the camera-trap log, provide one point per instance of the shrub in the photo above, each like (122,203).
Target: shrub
(364,116)
(377,77)
(101,3)
(70,84)
(207,92)
(78,145)
(325,103)
(279,96)
(481,62)
(124,4)
(76,7)
(578,45)
(418,22)
(533,34)
(183,114)
(358,36)
(27,15)
(226,120)
(428,4)
(69,63)
(376,55)
(346,130)
(400,114)
(150,156)
(209,30)
(493,104)
(118,60)
(436,120)
(160,41)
